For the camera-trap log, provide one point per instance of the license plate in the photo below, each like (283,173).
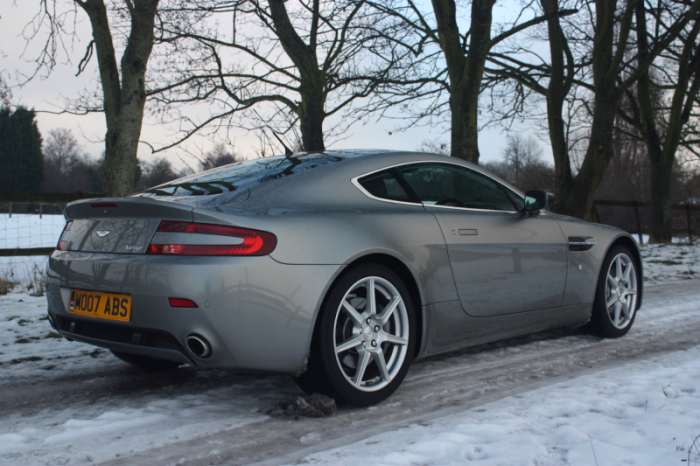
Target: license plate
(102,305)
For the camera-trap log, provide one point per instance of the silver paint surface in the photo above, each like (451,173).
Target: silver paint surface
(479,275)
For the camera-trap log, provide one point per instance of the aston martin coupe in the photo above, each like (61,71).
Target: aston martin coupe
(339,268)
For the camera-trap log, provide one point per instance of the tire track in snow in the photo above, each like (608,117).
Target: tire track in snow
(447,384)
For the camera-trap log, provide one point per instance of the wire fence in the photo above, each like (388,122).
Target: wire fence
(30,225)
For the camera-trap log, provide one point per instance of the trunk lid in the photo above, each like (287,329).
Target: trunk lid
(118,225)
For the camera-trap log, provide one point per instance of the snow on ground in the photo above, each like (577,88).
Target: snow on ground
(29,348)
(665,263)
(644,413)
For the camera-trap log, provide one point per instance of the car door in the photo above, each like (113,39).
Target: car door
(503,261)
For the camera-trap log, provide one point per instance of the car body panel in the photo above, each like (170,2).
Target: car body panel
(504,262)
(234,298)
(517,275)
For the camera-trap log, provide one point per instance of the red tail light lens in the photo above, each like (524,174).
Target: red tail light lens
(255,242)
(63,245)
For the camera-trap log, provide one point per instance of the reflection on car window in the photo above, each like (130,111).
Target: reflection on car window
(451,185)
(242,175)
(385,186)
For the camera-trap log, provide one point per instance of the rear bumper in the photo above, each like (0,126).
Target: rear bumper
(256,313)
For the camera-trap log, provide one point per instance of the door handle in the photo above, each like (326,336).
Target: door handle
(468,232)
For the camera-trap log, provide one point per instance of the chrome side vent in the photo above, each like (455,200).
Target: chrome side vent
(581,243)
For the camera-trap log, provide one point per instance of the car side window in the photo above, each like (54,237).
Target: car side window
(451,185)
(384,185)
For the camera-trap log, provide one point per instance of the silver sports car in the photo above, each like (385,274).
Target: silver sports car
(339,268)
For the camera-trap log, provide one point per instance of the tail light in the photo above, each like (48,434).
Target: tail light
(254,242)
(63,245)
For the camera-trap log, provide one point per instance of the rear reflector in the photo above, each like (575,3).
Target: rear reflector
(100,206)
(181,302)
(255,242)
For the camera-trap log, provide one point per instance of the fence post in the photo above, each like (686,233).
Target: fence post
(689,218)
(639,224)
(41,210)
(10,209)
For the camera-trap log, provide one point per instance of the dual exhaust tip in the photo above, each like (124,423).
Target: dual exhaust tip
(198,345)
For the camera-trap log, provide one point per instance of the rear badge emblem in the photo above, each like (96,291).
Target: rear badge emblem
(102,233)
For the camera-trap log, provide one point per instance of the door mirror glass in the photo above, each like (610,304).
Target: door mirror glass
(535,200)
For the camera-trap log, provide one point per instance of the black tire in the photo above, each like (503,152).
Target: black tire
(617,295)
(364,337)
(147,362)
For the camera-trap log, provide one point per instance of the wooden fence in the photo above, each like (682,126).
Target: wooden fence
(686,215)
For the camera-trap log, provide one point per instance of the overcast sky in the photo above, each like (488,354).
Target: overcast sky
(49,93)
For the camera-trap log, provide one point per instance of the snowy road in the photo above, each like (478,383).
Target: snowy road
(72,405)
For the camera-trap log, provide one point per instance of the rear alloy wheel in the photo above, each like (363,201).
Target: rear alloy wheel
(366,337)
(617,294)
(147,362)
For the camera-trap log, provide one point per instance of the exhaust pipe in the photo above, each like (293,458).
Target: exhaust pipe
(199,346)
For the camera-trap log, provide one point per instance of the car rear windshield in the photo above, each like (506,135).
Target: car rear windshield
(243,175)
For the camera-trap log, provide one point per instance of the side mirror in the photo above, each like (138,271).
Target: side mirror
(535,200)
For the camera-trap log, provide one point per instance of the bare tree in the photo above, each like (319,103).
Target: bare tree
(217,157)
(665,123)
(158,171)
(464,54)
(123,82)
(608,65)
(522,164)
(307,60)
(65,164)
(521,152)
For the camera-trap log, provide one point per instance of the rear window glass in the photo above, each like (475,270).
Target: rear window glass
(385,186)
(242,175)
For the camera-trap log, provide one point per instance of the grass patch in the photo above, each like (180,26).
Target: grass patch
(6,286)
(24,340)
(53,335)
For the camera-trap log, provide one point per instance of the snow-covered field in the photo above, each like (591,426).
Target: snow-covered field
(645,412)
(27,231)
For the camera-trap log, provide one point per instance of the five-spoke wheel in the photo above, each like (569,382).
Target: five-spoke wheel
(617,294)
(365,338)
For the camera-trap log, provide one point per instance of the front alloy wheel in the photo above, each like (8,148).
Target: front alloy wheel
(617,294)
(365,339)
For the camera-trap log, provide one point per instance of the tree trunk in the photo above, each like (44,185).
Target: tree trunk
(464,131)
(662,151)
(559,85)
(661,212)
(123,101)
(311,116)
(311,110)
(466,70)
(577,194)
